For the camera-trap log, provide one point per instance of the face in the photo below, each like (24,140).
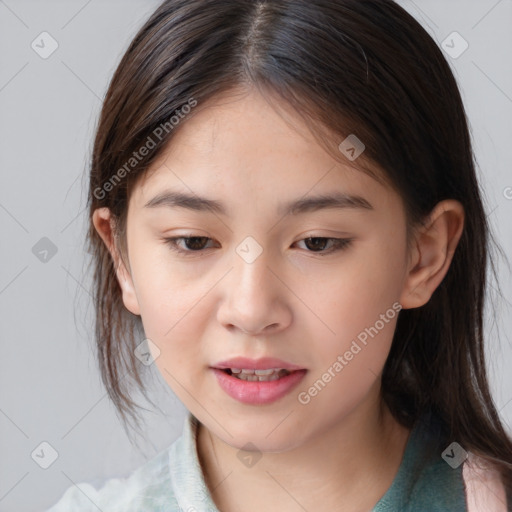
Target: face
(318,288)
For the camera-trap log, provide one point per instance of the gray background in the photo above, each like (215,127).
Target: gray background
(49,386)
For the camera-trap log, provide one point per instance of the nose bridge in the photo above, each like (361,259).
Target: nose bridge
(252,298)
(251,268)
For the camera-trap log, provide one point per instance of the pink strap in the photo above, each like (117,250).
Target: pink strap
(484,488)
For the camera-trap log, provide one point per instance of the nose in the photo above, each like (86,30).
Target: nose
(254,298)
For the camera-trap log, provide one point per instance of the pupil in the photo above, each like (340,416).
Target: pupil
(323,242)
(195,238)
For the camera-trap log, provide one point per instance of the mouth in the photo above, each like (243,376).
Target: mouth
(258,386)
(250,375)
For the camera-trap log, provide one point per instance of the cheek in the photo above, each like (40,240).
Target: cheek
(168,311)
(171,307)
(173,320)
(347,364)
(359,307)
(350,296)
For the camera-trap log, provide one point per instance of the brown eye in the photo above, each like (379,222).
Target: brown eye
(195,243)
(192,243)
(318,244)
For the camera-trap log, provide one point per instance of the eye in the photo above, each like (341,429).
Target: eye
(196,244)
(192,243)
(319,242)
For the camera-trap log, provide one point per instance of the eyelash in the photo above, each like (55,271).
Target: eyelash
(339,244)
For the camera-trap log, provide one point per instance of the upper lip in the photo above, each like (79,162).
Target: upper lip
(256,364)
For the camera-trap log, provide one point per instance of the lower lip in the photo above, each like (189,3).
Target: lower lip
(258,392)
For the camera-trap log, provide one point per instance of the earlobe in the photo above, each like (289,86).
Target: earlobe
(104,225)
(128,290)
(434,247)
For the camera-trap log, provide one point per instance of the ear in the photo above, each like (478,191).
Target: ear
(432,254)
(105,227)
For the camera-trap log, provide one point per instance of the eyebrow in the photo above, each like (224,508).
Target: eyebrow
(336,200)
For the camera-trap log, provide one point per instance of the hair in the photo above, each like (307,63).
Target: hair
(363,67)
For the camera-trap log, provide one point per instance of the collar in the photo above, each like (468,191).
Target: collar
(189,486)
(432,485)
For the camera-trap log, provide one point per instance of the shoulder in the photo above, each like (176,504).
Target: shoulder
(170,482)
(476,479)
(484,488)
(430,479)
(146,488)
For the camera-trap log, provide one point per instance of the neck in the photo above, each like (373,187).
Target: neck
(347,466)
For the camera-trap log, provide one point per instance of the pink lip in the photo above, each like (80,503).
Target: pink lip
(255,393)
(258,393)
(256,364)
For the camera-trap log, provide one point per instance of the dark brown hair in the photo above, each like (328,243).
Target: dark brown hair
(363,67)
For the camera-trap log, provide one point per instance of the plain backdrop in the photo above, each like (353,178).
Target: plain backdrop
(50,390)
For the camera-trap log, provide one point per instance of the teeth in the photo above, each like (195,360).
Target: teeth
(259,375)
(264,372)
(257,372)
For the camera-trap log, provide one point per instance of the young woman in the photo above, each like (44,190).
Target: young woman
(286,220)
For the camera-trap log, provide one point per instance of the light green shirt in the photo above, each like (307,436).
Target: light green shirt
(173,481)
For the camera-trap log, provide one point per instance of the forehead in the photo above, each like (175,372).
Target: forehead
(241,143)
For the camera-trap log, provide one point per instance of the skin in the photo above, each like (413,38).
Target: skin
(342,449)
